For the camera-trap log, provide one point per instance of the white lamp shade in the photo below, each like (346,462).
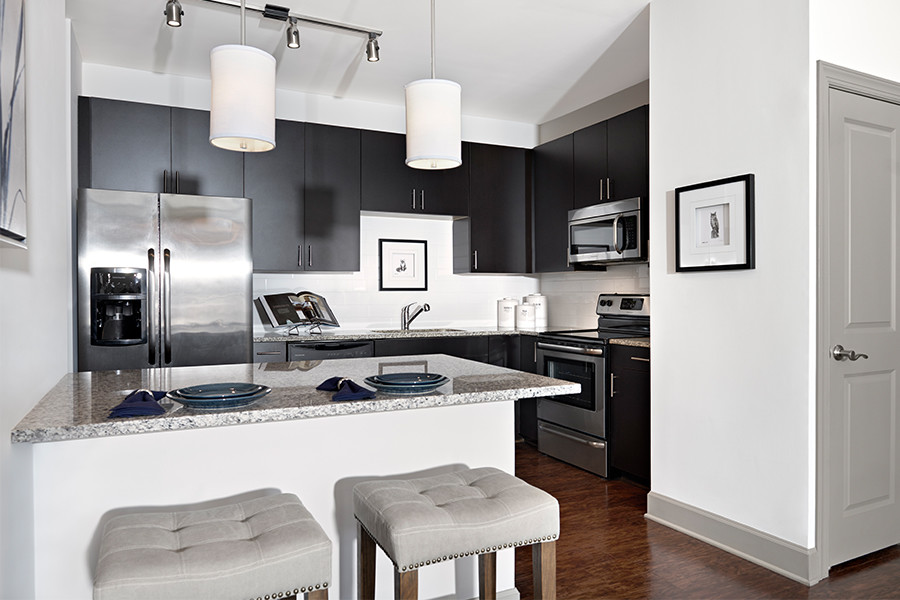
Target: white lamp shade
(433,130)
(242,109)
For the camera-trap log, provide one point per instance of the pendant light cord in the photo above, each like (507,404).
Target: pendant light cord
(432,38)
(244,22)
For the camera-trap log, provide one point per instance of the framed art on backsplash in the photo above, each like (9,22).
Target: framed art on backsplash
(714,225)
(403,265)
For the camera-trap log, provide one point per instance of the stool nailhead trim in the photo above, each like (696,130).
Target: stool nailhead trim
(294,592)
(546,538)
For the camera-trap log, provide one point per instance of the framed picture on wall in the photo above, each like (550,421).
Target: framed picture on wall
(13,197)
(714,225)
(403,265)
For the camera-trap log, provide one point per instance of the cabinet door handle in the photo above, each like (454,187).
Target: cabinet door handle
(608,193)
(165,181)
(300,255)
(269,353)
(601,190)
(309,256)
(640,358)
(612,385)
(151,296)
(177,182)
(422,199)
(414,199)
(476,259)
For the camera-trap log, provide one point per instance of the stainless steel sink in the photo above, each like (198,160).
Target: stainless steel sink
(434,330)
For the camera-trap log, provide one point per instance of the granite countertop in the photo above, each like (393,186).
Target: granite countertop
(78,406)
(331,334)
(642,342)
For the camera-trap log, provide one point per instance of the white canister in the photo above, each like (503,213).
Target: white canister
(506,313)
(525,316)
(540,308)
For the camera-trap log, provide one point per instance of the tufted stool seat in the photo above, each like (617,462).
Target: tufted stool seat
(419,522)
(268,547)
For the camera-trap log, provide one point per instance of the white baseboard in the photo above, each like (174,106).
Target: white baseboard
(784,558)
(510,594)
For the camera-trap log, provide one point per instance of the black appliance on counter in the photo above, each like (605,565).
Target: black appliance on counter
(573,427)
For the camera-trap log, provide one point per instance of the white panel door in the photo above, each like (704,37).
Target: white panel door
(860,272)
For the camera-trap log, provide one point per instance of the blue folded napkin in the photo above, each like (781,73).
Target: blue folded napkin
(346,389)
(139,403)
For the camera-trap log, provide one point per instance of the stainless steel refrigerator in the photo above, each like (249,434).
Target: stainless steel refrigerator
(164,280)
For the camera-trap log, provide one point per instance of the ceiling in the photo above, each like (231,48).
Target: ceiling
(519,60)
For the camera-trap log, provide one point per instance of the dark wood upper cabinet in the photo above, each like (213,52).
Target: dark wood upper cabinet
(494,238)
(388,185)
(123,145)
(200,168)
(590,172)
(628,152)
(553,193)
(332,198)
(275,181)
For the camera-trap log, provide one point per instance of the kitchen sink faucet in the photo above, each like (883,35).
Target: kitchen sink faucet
(406,318)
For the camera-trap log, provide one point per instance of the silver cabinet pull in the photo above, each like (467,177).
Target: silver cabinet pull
(151,297)
(640,358)
(601,190)
(165,181)
(612,385)
(177,182)
(608,193)
(476,260)
(309,256)
(413,199)
(300,255)
(839,353)
(422,199)
(269,353)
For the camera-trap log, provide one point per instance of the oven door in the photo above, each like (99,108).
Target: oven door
(584,411)
(607,238)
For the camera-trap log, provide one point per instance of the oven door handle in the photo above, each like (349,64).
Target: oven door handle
(555,431)
(571,349)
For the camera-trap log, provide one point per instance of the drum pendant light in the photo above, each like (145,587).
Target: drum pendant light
(433,122)
(242,108)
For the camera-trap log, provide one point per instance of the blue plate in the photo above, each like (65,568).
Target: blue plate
(407,388)
(218,403)
(220,390)
(417,379)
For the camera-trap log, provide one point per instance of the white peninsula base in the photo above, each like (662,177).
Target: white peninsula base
(77,483)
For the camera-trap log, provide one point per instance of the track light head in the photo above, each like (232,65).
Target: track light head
(173,13)
(293,34)
(372,48)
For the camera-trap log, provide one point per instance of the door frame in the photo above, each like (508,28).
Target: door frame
(830,77)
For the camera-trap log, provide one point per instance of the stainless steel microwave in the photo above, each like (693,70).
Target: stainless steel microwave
(607,233)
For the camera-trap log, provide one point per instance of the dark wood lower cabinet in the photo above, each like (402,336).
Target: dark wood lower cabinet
(628,411)
(470,347)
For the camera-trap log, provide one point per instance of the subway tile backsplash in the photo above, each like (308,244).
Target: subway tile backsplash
(455,300)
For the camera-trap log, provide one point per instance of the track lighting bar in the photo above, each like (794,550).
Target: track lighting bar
(283,14)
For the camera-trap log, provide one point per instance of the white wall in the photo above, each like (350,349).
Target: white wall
(354,297)
(35,284)
(732,388)
(572,297)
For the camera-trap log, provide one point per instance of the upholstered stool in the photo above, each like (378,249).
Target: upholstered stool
(268,547)
(419,522)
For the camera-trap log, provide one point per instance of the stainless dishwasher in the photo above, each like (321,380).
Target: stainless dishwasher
(328,350)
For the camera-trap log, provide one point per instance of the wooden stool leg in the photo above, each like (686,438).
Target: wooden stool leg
(317,595)
(487,576)
(365,564)
(543,556)
(406,585)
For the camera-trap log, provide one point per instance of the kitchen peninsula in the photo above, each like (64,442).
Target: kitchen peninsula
(295,439)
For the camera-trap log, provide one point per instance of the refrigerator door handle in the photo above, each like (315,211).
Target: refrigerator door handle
(167,307)
(151,294)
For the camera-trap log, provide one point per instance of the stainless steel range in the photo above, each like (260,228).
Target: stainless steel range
(573,428)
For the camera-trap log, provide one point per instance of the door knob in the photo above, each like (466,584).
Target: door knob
(839,353)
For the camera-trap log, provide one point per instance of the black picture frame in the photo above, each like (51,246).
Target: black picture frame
(402,265)
(714,225)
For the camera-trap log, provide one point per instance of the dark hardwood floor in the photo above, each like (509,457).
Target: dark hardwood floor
(607,549)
